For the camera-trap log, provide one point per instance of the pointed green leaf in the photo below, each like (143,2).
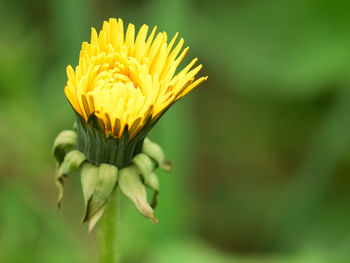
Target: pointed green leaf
(96,217)
(64,142)
(153,183)
(89,178)
(131,185)
(71,163)
(155,152)
(145,165)
(59,183)
(107,179)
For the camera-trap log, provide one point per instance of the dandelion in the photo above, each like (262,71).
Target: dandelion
(121,87)
(126,83)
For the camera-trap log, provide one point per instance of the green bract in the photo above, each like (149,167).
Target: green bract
(105,163)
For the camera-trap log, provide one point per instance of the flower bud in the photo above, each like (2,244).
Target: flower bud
(136,85)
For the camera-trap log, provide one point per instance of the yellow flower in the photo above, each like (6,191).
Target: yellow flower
(128,83)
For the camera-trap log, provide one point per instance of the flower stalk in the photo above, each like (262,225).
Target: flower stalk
(108,231)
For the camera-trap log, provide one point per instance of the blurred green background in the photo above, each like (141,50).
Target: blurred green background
(262,149)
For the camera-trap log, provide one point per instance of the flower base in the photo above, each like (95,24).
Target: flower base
(101,149)
(131,168)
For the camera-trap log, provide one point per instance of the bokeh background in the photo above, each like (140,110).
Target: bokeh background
(262,149)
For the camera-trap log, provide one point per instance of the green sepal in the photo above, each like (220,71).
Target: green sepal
(96,217)
(145,165)
(155,152)
(131,185)
(153,183)
(106,148)
(64,142)
(105,184)
(59,183)
(88,178)
(71,163)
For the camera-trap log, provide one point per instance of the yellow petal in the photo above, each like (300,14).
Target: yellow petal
(126,81)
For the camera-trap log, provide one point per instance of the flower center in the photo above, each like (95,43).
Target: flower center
(109,77)
(119,87)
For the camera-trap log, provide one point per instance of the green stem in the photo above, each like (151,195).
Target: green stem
(108,232)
